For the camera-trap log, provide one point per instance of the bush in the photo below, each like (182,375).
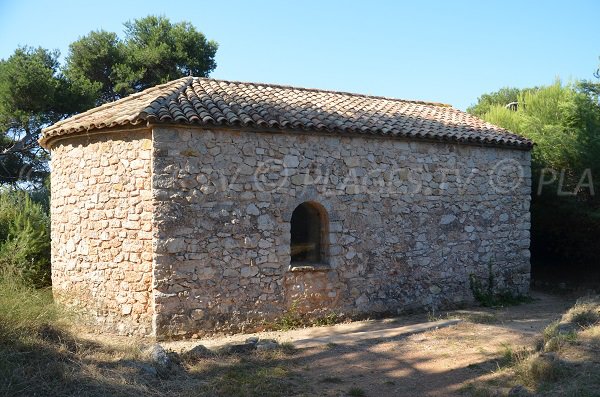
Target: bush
(563,121)
(24,238)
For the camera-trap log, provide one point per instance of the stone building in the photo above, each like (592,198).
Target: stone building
(203,205)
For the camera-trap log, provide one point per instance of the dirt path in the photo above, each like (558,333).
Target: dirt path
(438,362)
(433,363)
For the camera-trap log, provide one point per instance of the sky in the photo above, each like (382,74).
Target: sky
(441,51)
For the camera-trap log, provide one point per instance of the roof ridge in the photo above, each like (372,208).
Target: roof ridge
(355,94)
(217,103)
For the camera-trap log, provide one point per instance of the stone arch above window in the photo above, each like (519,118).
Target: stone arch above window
(309,234)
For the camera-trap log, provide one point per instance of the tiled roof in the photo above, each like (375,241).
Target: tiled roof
(218,103)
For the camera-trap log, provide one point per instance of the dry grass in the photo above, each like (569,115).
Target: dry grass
(591,336)
(474,317)
(538,369)
(585,313)
(40,356)
(565,361)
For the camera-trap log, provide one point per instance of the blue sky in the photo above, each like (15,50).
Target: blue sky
(444,51)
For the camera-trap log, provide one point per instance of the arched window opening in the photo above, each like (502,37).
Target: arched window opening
(309,227)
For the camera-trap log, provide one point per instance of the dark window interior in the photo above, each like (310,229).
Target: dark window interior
(306,228)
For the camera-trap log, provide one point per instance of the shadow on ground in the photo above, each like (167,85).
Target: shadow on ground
(435,363)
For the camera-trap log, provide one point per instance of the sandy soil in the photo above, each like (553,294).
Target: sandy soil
(434,363)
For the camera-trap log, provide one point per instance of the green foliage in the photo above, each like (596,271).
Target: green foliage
(24,238)
(564,122)
(33,94)
(92,61)
(23,309)
(500,98)
(328,319)
(158,51)
(293,318)
(488,295)
(356,392)
(591,88)
(153,51)
(36,90)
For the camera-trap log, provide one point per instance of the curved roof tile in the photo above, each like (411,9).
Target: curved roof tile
(210,102)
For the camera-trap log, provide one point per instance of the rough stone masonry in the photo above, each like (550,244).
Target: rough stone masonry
(171,218)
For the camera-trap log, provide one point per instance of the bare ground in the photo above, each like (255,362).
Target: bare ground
(440,362)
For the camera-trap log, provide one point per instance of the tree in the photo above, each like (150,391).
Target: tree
(33,94)
(564,123)
(502,97)
(159,51)
(24,238)
(153,51)
(92,61)
(590,87)
(36,91)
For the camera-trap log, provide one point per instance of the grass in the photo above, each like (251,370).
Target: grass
(478,390)
(553,339)
(564,361)
(288,348)
(585,313)
(293,318)
(23,309)
(488,296)
(539,369)
(591,336)
(250,378)
(510,356)
(356,392)
(40,356)
(26,333)
(585,318)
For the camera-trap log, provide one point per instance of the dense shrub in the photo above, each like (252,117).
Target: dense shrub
(564,123)
(24,238)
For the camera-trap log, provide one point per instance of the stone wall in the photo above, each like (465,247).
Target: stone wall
(101,211)
(409,222)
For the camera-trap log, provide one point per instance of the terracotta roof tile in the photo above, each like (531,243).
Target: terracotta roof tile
(220,103)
